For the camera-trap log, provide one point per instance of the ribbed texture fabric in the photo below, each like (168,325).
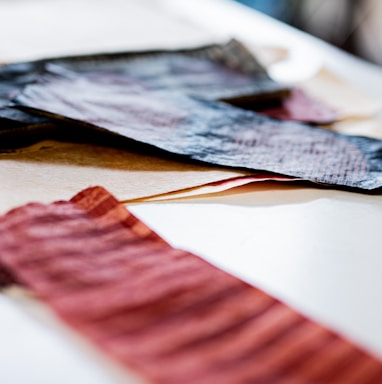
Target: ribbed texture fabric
(165,312)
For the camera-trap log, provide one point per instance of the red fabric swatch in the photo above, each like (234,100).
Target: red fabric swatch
(164,312)
(299,106)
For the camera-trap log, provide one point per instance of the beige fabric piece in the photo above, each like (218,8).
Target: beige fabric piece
(52,170)
(359,113)
(371,127)
(343,97)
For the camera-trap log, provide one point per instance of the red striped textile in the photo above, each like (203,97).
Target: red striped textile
(164,312)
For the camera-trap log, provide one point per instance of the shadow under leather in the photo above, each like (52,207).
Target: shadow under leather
(97,149)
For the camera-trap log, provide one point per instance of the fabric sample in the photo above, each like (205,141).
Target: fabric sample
(218,72)
(164,312)
(52,170)
(216,187)
(299,106)
(227,71)
(208,131)
(345,98)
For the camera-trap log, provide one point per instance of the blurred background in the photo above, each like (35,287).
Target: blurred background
(353,25)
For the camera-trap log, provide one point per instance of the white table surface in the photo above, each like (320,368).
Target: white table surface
(319,250)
